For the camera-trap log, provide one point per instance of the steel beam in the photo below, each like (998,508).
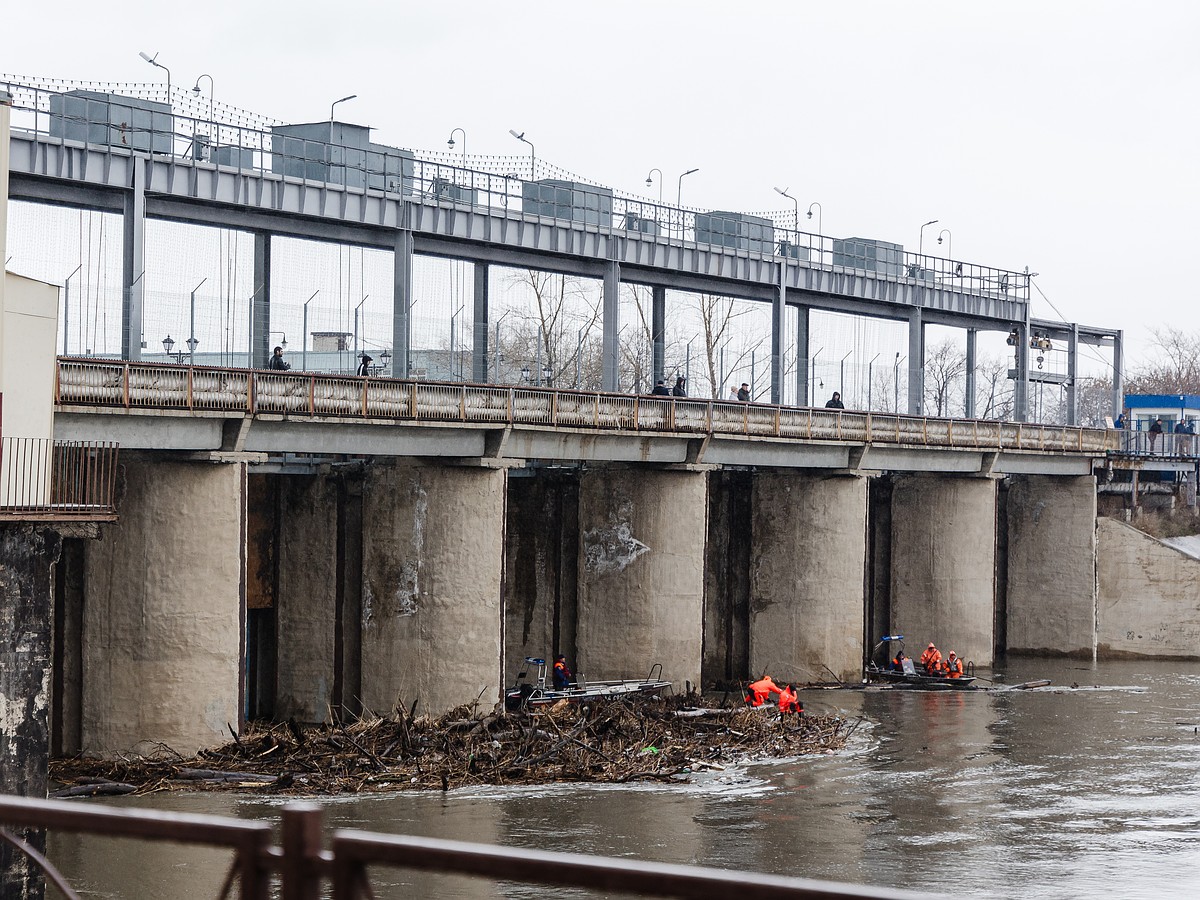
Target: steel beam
(658,330)
(133,262)
(611,314)
(260,302)
(1073,376)
(778,305)
(969,399)
(1021,386)
(916,362)
(1118,379)
(479,343)
(802,355)
(402,300)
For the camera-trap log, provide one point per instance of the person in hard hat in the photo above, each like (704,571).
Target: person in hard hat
(760,691)
(788,701)
(952,667)
(562,673)
(931,659)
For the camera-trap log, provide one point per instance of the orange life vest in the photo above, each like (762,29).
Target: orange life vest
(953,668)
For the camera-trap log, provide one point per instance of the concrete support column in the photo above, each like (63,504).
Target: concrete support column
(611,327)
(433,557)
(163,617)
(641,573)
(778,305)
(260,302)
(807,576)
(802,360)
(479,344)
(969,399)
(1051,606)
(1073,375)
(402,300)
(26,557)
(943,564)
(133,262)
(658,331)
(916,362)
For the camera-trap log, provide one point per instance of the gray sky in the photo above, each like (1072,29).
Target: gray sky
(1054,135)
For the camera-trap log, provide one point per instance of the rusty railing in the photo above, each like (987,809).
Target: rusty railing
(42,480)
(201,390)
(303,867)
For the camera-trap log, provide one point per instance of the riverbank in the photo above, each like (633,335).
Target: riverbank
(611,742)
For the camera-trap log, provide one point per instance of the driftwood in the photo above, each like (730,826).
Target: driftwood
(614,741)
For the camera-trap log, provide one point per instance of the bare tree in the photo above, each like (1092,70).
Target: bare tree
(557,334)
(993,389)
(718,326)
(1173,367)
(945,378)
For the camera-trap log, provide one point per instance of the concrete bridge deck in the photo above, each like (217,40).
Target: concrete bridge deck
(183,408)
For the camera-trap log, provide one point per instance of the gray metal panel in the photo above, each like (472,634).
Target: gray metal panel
(1013,463)
(291,436)
(140,431)
(94,117)
(591,447)
(885,458)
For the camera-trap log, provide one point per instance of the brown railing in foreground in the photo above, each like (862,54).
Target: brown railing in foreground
(42,480)
(303,868)
(198,390)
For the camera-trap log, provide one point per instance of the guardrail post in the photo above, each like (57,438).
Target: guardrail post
(300,838)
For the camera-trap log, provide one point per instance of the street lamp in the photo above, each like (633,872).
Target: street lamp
(679,193)
(385,358)
(304,333)
(336,102)
(921,243)
(496,374)
(820,212)
(896,382)
(532,152)
(949,242)
(169,345)
(650,181)
(356,309)
(842,376)
(812,382)
(153,60)
(525,374)
(796,203)
(196,91)
(67,304)
(453,342)
(870,374)
(450,143)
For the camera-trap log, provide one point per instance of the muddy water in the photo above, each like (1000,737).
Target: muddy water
(1058,792)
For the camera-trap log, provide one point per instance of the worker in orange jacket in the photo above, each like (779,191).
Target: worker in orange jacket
(952,667)
(931,660)
(761,690)
(788,701)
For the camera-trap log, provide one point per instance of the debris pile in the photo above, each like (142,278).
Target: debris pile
(613,741)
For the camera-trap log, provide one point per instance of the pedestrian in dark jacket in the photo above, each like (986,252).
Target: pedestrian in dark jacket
(364,368)
(277,361)
(744,392)
(835,402)
(680,389)
(1155,430)
(661,389)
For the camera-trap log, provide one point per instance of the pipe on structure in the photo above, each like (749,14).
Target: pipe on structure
(133,262)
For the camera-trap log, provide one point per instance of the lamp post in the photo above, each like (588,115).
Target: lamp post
(870,378)
(820,213)
(356,309)
(532,152)
(812,382)
(196,91)
(335,103)
(67,304)
(304,333)
(385,358)
(796,203)
(450,143)
(679,192)
(169,346)
(453,347)
(842,376)
(921,242)
(191,341)
(949,242)
(153,60)
(650,181)
(496,376)
(896,382)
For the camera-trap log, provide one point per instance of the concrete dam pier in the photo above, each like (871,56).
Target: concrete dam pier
(226,593)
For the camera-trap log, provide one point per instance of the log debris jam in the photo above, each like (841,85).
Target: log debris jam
(613,742)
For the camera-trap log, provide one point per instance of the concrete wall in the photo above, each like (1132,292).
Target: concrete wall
(807,576)
(943,564)
(541,568)
(162,630)
(641,573)
(306,598)
(1051,598)
(1148,601)
(433,548)
(727,580)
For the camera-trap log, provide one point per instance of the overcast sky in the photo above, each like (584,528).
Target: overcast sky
(1059,136)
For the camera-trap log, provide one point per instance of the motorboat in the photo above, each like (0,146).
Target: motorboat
(879,669)
(542,693)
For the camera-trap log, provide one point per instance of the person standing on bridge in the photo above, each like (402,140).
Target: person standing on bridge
(661,389)
(744,393)
(277,361)
(680,389)
(364,368)
(835,402)
(733,394)
(1155,430)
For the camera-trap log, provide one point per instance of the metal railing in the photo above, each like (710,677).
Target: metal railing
(303,867)
(1167,443)
(280,151)
(199,390)
(42,480)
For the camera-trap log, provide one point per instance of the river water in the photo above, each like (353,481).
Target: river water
(1066,791)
